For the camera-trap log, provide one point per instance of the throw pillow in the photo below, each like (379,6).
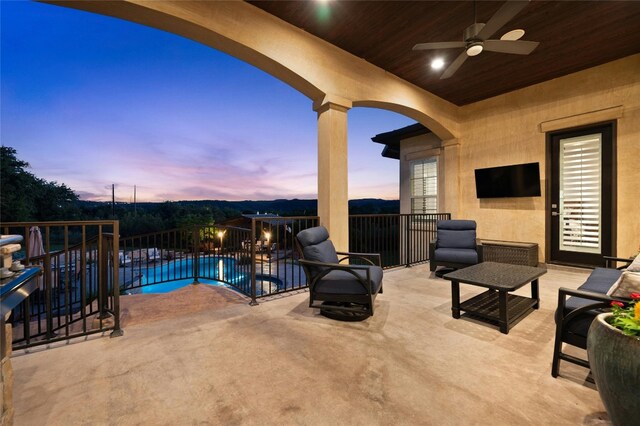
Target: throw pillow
(629,282)
(635,265)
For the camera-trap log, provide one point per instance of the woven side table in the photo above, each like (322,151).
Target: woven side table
(515,253)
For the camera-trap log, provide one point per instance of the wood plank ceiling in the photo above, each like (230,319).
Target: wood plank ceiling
(573,35)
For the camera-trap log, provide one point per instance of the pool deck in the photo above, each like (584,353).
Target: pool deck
(205,356)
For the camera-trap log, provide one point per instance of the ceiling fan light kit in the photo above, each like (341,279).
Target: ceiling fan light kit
(475,49)
(477,38)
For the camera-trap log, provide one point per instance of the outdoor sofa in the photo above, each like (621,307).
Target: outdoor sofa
(578,308)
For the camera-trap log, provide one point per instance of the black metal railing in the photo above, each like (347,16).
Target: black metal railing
(262,260)
(401,239)
(196,253)
(76,294)
(85,268)
(275,268)
(257,261)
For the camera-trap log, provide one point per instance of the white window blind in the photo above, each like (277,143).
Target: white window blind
(424,186)
(580,193)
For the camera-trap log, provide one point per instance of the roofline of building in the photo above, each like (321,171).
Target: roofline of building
(392,139)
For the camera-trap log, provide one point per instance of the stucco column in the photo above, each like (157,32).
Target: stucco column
(451,158)
(333,175)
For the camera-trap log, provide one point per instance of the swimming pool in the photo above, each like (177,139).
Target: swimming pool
(213,270)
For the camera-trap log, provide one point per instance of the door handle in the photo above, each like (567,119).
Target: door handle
(555,214)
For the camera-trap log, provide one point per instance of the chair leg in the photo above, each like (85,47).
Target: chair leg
(557,350)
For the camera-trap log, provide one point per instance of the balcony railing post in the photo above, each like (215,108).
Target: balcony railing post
(252,255)
(103,280)
(48,289)
(196,254)
(407,252)
(117,331)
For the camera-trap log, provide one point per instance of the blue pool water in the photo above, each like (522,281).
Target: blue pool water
(172,276)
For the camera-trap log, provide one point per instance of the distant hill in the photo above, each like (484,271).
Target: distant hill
(144,218)
(283,207)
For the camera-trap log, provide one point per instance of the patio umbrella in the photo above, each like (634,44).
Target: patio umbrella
(36,248)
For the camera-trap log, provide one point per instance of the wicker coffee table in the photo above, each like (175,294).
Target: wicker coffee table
(496,305)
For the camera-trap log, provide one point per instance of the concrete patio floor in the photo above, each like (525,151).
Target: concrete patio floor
(282,363)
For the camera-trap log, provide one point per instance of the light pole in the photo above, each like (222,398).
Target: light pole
(267,235)
(220,235)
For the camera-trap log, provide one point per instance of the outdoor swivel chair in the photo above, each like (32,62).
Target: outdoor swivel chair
(455,245)
(341,291)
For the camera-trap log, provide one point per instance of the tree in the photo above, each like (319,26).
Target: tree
(25,197)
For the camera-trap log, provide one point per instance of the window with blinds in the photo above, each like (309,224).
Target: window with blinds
(424,186)
(580,193)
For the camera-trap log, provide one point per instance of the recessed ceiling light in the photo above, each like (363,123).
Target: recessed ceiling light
(437,63)
(513,35)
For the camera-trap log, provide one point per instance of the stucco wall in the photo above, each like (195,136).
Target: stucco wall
(509,129)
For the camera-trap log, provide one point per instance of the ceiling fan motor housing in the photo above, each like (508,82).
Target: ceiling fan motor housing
(471,33)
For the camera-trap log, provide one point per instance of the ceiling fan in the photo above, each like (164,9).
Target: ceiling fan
(476,38)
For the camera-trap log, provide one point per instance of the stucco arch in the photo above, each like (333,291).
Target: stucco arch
(193,21)
(310,65)
(411,112)
(332,78)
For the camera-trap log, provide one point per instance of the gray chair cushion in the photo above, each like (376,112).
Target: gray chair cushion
(342,282)
(456,255)
(600,280)
(456,239)
(312,236)
(321,252)
(456,234)
(457,225)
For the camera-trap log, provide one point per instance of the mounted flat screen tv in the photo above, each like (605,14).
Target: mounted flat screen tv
(518,180)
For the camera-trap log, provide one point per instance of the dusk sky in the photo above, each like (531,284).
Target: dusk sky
(90,100)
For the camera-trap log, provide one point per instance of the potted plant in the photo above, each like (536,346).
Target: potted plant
(613,345)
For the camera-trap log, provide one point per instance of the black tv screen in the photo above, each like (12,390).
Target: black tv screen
(519,180)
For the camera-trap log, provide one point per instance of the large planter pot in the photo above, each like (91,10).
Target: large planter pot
(615,363)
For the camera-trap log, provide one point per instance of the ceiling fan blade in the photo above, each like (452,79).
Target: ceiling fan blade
(501,17)
(454,66)
(519,47)
(441,45)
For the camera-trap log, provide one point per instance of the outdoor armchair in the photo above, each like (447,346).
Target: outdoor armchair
(578,308)
(455,245)
(340,290)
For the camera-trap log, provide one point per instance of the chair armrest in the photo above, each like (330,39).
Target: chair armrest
(600,301)
(585,294)
(331,265)
(362,256)
(611,261)
(563,292)
(328,267)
